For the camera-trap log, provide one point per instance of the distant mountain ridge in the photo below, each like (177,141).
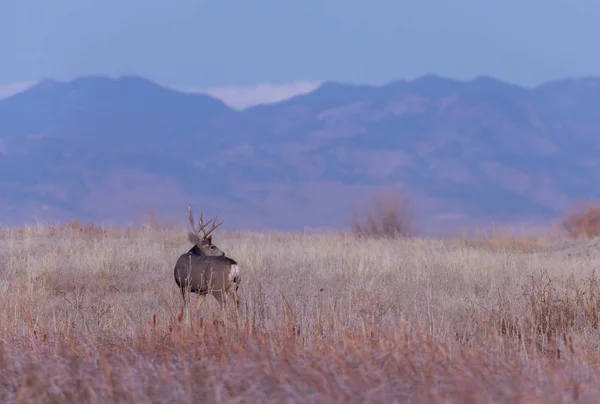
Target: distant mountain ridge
(104,149)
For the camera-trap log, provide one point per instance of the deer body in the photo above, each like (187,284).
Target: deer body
(205,269)
(201,274)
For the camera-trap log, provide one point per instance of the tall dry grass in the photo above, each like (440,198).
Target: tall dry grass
(95,317)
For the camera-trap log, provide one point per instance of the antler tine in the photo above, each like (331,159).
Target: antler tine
(213,227)
(191,217)
(202,225)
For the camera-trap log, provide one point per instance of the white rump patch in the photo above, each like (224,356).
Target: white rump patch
(234,272)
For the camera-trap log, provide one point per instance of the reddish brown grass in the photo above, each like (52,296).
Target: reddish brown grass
(169,362)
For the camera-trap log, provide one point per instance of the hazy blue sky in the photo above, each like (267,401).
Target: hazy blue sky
(212,44)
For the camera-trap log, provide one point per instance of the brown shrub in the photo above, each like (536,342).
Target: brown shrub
(582,221)
(386,215)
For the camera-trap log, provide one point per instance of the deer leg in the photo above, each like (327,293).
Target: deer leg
(232,291)
(237,300)
(183,294)
(182,316)
(200,300)
(220,298)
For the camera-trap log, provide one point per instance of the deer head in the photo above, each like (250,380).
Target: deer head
(203,242)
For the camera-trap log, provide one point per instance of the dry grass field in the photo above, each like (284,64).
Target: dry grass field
(96,317)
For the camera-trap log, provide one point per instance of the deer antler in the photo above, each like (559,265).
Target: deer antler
(213,226)
(201,224)
(191,217)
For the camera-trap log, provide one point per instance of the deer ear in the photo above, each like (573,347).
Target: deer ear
(193,238)
(209,239)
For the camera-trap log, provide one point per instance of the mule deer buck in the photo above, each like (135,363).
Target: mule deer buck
(205,269)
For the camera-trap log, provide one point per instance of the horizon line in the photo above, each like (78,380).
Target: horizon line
(266,93)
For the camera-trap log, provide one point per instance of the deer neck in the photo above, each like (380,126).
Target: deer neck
(195,250)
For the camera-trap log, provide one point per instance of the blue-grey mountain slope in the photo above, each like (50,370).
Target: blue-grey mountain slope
(107,149)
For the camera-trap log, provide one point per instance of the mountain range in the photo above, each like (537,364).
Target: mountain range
(107,150)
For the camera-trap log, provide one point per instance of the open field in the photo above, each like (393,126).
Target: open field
(325,318)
